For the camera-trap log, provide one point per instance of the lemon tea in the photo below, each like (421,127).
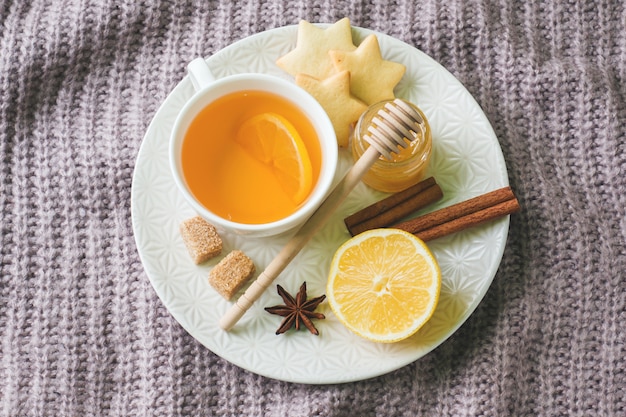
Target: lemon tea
(224,176)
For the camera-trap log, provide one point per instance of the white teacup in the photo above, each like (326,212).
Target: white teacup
(209,89)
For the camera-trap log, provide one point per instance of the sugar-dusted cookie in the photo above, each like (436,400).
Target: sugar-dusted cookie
(310,56)
(372,78)
(333,93)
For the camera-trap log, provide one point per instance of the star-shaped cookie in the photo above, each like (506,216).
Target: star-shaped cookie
(310,56)
(333,93)
(372,78)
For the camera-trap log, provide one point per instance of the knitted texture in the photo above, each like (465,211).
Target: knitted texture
(83,333)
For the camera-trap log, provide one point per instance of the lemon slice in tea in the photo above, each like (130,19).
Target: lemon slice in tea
(273,140)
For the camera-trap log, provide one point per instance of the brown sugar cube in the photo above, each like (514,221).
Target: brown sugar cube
(231,273)
(201,238)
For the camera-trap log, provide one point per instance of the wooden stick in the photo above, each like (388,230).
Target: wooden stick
(395,207)
(302,236)
(462,215)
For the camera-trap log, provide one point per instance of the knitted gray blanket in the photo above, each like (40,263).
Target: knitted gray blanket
(82,330)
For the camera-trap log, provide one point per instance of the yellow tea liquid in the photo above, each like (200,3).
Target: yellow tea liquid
(225,178)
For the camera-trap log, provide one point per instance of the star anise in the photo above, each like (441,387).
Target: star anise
(297,311)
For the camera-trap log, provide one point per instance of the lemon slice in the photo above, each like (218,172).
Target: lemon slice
(273,140)
(384,284)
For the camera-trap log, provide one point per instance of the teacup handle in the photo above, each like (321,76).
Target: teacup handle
(199,73)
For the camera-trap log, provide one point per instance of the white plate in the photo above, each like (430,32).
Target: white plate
(467,161)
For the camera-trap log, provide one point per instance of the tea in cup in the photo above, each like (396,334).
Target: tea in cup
(253,154)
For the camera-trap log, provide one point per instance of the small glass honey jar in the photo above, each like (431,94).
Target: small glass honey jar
(405,168)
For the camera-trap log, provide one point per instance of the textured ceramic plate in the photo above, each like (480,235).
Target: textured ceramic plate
(467,161)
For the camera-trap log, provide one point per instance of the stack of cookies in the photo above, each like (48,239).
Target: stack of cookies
(345,79)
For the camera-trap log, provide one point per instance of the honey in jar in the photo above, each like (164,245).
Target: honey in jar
(405,168)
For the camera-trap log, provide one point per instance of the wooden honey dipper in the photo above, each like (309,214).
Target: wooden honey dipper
(388,132)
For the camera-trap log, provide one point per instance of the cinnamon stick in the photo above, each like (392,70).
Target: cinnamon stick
(393,208)
(462,215)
